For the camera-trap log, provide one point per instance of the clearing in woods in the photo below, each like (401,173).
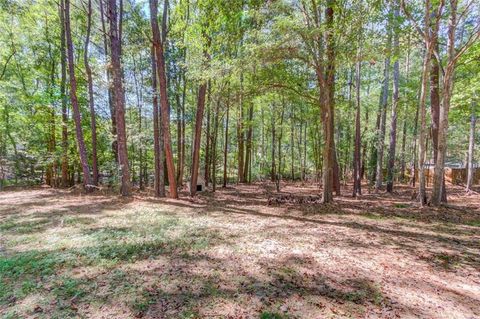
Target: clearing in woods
(231,255)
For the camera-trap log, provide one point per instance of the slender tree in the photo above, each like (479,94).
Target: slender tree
(225,147)
(357,177)
(82,151)
(159,182)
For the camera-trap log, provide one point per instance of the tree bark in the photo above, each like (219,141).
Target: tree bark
(160,59)
(119,96)
(82,151)
(159,182)
(202,91)
(329,106)
(435,105)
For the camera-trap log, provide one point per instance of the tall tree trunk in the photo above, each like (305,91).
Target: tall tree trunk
(471,144)
(52,166)
(197,139)
(240,134)
(374,145)
(63,85)
(452,57)
(182,139)
(207,141)
(329,106)
(91,103)
(396,97)
(214,146)
(421,141)
(160,59)
(273,166)
(278,178)
(404,124)
(304,165)
(82,151)
(435,105)
(248,150)
(292,140)
(139,110)
(383,118)
(225,148)
(414,161)
(159,182)
(357,176)
(119,96)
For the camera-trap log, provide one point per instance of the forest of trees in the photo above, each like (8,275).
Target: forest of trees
(136,94)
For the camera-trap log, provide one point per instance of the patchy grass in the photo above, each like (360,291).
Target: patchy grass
(230,255)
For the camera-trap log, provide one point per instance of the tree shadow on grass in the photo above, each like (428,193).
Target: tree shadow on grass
(417,240)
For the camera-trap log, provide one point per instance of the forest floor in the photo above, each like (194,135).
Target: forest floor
(231,255)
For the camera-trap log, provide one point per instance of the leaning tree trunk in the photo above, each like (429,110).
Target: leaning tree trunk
(82,151)
(91,103)
(164,105)
(119,97)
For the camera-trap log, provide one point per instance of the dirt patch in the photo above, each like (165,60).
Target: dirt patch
(230,254)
